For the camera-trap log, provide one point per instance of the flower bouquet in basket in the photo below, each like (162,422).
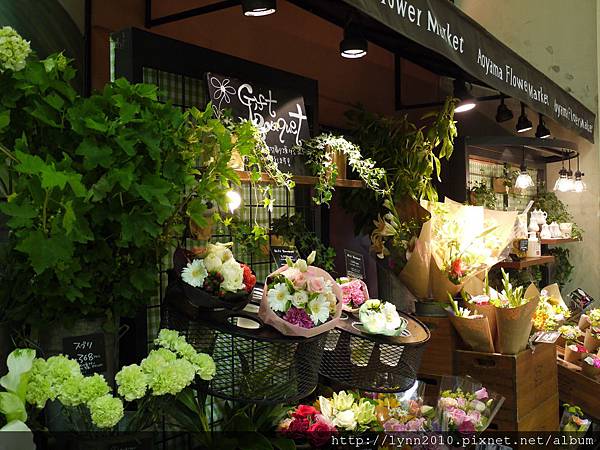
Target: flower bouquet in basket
(211,278)
(354,293)
(301,300)
(465,406)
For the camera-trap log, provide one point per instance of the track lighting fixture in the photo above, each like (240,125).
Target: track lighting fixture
(503,113)
(354,45)
(542,132)
(523,124)
(257,8)
(467,101)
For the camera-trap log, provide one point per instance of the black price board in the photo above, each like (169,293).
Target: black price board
(279,114)
(89,351)
(355,265)
(281,253)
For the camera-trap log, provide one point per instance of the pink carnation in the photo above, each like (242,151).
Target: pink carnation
(353,293)
(456,415)
(481,394)
(299,317)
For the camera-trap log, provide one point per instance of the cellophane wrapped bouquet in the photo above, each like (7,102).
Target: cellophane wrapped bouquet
(354,293)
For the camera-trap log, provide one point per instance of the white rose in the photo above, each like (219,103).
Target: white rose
(478,405)
(374,322)
(346,420)
(233,276)
(213,263)
(300,299)
(392,318)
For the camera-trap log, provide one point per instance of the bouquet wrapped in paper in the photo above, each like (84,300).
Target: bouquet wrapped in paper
(301,300)
(464,242)
(464,405)
(551,311)
(473,328)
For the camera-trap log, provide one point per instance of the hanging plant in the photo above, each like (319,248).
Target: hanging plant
(321,152)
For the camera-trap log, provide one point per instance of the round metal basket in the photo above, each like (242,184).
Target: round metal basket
(374,363)
(257,364)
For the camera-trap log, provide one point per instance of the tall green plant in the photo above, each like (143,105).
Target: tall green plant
(102,186)
(411,156)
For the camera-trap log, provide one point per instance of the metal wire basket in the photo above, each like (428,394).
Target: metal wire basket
(255,363)
(370,362)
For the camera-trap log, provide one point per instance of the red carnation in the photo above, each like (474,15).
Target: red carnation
(320,434)
(298,428)
(304,411)
(249,278)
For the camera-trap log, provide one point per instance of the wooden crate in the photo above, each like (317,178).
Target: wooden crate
(528,381)
(438,358)
(576,389)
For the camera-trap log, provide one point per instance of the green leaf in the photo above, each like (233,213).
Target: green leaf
(45,253)
(283,444)
(195,210)
(147,91)
(95,125)
(95,155)
(4,119)
(55,101)
(69,217)
(12,407)
(15,210)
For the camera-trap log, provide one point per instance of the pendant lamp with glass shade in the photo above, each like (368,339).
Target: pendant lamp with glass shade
(523,180)
(579,185)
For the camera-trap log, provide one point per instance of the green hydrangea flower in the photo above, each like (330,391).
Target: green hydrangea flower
(106,411)
(93,387)
(14,50)
(204,366)
(39,390)
(132,382)
(171,378)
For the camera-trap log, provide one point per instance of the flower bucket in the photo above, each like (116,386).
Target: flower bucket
(584,322)
(572,356)
(591,342)
(589,370)
(269,317)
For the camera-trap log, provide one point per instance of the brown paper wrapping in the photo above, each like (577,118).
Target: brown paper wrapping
(514,326)
(415,274)
(474,332)
(441,285)
(269,317)
(584,322)
(591,343)
(489,312)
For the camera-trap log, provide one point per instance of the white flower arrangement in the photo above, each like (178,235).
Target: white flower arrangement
(216,271)
(379,317)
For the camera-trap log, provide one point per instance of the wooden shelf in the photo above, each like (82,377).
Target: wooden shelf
(525,262)
(305,180)
(558,241)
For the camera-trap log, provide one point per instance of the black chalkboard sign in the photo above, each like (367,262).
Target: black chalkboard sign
(355,265)
(278,113)
(89,351)
(281,253)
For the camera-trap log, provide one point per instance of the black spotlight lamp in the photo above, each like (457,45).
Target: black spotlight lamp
(466,101)
(503,113)
(258,8)
(523,124)
(542,131)
(354,45)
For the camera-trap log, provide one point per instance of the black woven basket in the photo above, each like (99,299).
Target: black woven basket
(374,363)
(253,365)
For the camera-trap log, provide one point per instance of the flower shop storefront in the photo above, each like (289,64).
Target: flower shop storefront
(198,256)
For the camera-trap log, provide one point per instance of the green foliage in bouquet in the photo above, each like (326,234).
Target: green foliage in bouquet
(294,231)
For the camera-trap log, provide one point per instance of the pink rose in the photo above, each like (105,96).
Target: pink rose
(458,416)
(298,280)
(461,402)
(415,424)
(392,425)
(474,416)
(316,284)
(481,394)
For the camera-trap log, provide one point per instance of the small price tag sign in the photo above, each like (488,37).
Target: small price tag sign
(546,337)
(281,253)
(89,351)
(355,265)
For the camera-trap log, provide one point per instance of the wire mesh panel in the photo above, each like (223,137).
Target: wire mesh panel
(372,362)
(255,363)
